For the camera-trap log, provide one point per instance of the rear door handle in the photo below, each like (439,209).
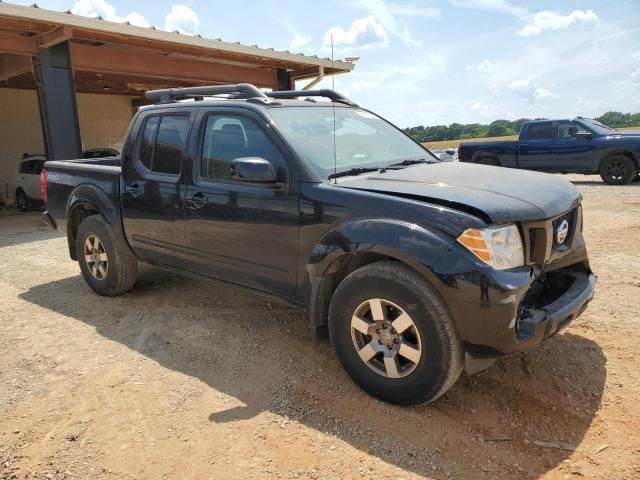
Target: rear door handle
(134,190)
(196,201)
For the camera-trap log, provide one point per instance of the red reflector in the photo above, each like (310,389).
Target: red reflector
(43,185)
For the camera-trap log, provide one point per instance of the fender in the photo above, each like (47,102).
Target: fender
(411,244)
(89,196)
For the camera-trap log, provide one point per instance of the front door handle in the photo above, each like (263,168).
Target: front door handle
(196,201)
(134,190)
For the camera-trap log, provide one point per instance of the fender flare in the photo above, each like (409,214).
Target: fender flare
(411,244)
(90,197)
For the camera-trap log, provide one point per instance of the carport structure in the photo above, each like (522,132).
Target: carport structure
(59,55)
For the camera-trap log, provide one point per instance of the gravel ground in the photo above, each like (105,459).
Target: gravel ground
(180,379)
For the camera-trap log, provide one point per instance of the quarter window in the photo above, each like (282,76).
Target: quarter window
(229,137)
(162,143)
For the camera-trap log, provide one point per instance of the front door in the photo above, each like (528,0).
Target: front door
(572,153)
(241,232)
(153,191)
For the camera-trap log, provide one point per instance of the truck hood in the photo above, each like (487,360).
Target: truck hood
(626,133)
(495,194)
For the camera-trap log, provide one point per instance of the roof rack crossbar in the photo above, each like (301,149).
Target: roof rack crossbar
(240,90)
(325,92)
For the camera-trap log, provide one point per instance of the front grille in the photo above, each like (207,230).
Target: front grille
(570,218)
(541,237)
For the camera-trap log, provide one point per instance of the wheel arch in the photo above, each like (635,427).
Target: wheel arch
(479,156)
(87,200)
(620,151)
(333,259)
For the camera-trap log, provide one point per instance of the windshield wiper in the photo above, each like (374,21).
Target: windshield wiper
(406,163)
(353,171)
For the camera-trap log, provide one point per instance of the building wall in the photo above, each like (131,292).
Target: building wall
(104,120)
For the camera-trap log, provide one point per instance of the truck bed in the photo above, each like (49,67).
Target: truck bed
(504,151)
(101,176)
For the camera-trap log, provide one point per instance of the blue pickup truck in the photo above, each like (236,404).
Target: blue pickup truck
(580,145)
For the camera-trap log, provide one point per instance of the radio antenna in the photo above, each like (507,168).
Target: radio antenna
(333,104)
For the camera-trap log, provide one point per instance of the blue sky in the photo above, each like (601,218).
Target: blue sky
(428,62)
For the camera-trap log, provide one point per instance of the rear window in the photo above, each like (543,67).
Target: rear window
(162,143)
(542,131)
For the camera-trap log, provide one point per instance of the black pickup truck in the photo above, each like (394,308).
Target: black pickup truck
(415,268)
(564,146)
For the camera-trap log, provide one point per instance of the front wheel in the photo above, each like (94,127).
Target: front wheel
(394,335)
(104,267)
(617,170)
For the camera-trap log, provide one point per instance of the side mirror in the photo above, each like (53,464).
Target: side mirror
(573,131)
(253,169)
(587,135)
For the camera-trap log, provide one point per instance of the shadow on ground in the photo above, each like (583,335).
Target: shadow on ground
(262,355)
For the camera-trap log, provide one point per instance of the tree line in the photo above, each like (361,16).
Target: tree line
(500,128)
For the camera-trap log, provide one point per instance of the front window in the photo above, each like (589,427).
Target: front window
(361,139)
(595,126)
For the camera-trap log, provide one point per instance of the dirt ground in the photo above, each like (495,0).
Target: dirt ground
(183,379)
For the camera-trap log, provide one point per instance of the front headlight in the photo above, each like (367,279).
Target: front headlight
(500,247)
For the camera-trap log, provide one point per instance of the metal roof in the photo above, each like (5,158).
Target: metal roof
(37,17)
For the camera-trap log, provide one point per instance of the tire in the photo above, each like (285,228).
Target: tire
(104,267)
(488,161)
(617,170)
(22,202)
(401,293)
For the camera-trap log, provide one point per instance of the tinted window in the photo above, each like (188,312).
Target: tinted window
(148,141)
(542,131)
(38,165)
(162,143)
(227,138)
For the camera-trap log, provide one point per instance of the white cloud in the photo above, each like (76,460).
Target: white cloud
(363,33)
(484,66)
(100,8)
(631,83)
(299,41)
(493,5)
(529,89)
(387,16)
(182,19)
(413,11)
(547,20)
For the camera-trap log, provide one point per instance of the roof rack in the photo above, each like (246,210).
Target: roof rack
(325,92)
(240,90)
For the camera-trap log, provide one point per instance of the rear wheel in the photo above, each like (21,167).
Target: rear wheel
(489,161)
(104,267)
(617,170)
(22,202)
(394,335)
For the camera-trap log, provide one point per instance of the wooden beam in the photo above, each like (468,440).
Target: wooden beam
(17,45)
(113,60)
(13,66)
(59,35)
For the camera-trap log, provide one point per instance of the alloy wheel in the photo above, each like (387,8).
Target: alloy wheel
(96,258)
(386,338)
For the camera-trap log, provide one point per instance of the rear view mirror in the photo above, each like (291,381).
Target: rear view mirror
(253,169)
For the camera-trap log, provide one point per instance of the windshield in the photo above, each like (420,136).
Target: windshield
(597,127)
(362,139)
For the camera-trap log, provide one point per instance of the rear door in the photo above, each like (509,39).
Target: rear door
(241,232)
(153,189)
(536,148)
